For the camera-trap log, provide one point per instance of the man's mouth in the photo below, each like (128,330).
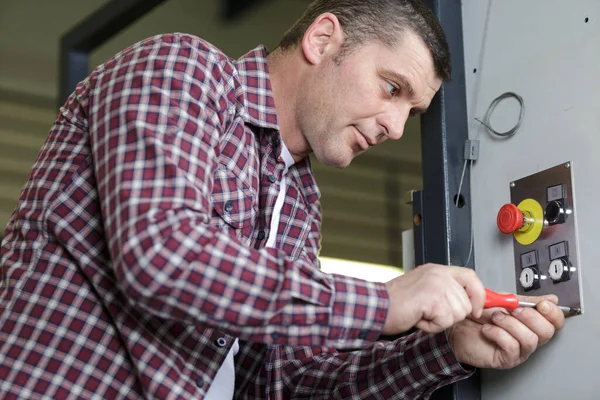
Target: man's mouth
(363,141)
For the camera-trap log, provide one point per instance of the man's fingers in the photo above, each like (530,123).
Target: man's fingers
(544,321)
(471,283)
(450,310)
(486,315)
(515,341)
(508,350)
(536,299)
(432,326)
(525,336)
(546,307)
(439,323)
(552,314)
(439,296)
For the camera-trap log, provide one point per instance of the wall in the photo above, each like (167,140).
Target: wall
(545,51)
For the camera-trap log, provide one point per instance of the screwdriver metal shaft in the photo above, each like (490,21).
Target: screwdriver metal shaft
(510,301)
(564,309)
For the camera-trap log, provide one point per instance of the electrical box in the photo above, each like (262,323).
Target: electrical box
(542,219)
(515,46)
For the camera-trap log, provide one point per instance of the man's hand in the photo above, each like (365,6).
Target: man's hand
(502,339)
(433,298)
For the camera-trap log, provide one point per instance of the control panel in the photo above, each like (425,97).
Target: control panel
(542,219)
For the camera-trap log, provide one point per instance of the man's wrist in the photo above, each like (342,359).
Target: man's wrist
(359,311)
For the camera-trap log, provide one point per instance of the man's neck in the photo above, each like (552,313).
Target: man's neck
(285,69)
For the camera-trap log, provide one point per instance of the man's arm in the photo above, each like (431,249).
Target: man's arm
(410,367)
(155,127)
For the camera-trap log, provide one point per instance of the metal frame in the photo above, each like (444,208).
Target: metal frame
(232,9)
(77,44)
(444,234)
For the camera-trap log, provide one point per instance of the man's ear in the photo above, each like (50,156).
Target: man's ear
(322,39)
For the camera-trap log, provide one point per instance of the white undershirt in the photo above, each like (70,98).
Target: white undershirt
(223,385)
(288,160)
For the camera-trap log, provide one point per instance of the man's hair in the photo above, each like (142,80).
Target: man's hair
(388,21)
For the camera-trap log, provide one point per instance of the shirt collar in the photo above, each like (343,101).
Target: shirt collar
(260,111)
(256,84)
(287,157)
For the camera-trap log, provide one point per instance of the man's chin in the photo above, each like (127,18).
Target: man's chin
(337,159)
(337,163)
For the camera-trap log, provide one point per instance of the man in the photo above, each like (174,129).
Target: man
(166,242)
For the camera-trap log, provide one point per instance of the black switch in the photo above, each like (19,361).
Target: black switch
(555,212)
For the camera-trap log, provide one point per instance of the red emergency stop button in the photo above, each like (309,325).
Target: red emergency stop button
(510,218)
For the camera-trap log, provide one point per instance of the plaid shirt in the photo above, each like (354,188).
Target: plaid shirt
(136,252)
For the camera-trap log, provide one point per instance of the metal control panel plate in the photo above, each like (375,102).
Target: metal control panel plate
(550,265)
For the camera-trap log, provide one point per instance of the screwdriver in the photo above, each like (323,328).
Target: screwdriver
(511,302)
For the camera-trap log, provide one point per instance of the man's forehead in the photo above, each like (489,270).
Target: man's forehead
(412,54)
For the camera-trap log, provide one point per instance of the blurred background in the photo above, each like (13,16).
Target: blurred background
(364,206)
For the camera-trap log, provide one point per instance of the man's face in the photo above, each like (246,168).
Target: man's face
(344,109)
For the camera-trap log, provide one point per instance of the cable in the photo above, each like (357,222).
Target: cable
(504,135)
(462,176)
(486,118)
(457,197)
(470,245)
(470,162)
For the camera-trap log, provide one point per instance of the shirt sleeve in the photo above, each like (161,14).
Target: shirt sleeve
(411,367)
(156,113)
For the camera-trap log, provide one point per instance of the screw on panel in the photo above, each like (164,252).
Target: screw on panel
(568,165)
(512,184)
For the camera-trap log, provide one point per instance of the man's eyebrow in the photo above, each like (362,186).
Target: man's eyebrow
(418,111)
(403,81)
(399,78)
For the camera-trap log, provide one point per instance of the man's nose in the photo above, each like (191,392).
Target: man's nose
(394,123)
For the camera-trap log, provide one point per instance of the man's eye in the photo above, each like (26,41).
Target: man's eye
(392,89)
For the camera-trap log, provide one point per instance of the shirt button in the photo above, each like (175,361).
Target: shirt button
(228,206)
(363,335)
(272,178)
(199,382)
(261,235)
(221,342)
(275,335)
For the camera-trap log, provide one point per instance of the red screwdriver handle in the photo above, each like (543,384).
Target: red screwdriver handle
(493,299)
